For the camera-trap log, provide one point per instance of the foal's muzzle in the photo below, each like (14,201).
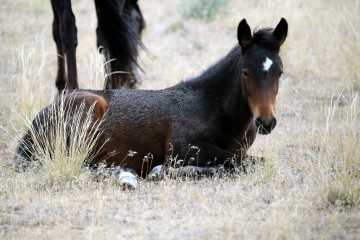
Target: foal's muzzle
(265,126)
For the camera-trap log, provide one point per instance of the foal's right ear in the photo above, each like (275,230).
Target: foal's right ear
(281,31)
(244,34)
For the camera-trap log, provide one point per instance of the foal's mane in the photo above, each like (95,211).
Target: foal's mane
(264,38)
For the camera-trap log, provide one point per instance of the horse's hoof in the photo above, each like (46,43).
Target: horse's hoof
(155,173)
(127,181)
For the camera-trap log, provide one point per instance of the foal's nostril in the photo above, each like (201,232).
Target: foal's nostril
(273,123)
(259,122)
(265,127)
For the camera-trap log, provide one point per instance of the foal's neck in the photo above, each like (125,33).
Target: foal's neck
(223,82)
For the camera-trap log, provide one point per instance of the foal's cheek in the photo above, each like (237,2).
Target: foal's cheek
(275,90)
(252,104)
(276,87)
(248,88)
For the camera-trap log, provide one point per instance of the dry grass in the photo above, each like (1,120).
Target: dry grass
(309,186)
(339,174)
(65,142)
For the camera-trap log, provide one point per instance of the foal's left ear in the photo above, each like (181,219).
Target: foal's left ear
(281,31)
(244,34)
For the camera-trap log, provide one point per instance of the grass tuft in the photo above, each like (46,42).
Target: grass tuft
(64,138)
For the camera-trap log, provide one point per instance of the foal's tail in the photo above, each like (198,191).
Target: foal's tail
(121,39)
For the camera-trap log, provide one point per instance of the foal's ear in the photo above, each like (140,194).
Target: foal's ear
(281,31)
(244,34)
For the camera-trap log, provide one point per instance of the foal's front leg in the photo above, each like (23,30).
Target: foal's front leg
(204,154)
(247,142)
(207,156)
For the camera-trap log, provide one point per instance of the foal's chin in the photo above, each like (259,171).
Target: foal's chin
(264,129)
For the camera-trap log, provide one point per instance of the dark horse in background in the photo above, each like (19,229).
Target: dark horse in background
(208,121)
(120,23)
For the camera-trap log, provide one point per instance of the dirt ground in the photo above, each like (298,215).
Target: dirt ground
(309,188)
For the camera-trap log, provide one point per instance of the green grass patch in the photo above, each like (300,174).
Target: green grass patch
(205,10)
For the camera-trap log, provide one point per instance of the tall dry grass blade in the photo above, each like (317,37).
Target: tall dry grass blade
(33,89)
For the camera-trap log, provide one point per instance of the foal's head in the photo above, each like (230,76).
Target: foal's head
(261,68)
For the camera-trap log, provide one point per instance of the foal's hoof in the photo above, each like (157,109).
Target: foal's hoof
(127,181)
(155,173)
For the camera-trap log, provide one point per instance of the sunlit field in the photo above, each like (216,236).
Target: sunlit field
(309,185)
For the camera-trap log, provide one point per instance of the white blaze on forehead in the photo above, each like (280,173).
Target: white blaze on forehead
(267,64)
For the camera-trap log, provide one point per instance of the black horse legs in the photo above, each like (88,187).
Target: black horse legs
(65,36)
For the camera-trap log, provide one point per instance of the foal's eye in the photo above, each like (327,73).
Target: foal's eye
(246,74)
